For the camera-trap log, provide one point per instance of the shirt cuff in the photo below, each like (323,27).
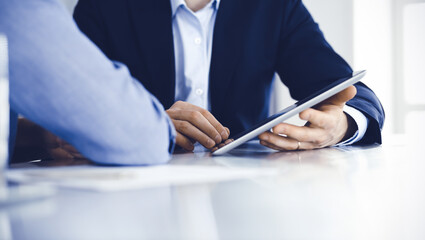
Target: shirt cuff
(362,122)
(173,135)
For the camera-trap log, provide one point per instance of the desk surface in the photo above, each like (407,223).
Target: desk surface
(375,192)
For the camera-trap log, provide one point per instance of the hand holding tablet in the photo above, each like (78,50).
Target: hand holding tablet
(328,102)
(327,125)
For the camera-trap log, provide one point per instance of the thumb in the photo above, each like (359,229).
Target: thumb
(342,97)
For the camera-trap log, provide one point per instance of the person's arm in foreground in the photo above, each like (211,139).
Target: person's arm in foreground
(307,62)
(63,82)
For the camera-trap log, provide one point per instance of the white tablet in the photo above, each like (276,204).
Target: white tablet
(290,111)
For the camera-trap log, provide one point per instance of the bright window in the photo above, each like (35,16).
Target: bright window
(414,53)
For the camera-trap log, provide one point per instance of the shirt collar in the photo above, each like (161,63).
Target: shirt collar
(176,4)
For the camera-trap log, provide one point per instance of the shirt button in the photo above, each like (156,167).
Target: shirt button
(199,92)
(198,41)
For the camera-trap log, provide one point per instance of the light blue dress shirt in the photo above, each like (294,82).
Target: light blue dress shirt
(60,80)
(193,35)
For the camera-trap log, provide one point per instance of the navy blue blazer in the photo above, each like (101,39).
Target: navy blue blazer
(253,39)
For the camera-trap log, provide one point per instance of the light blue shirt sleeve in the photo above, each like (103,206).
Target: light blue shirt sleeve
(362,123)
(60,80)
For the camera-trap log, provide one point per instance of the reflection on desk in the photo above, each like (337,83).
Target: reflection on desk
(373,192)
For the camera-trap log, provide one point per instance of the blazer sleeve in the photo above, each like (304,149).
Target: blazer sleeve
(60,80)
(306,62)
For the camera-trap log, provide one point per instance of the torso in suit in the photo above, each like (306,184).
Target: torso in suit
(253,39)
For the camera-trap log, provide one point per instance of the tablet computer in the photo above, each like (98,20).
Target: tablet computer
(291,111)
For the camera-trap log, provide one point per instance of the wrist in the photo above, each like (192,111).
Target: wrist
(351,128)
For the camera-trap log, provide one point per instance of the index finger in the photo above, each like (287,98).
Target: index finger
(214,122)
(302,133)
(194,119)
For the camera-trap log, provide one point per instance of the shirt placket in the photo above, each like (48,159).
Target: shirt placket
(197,62)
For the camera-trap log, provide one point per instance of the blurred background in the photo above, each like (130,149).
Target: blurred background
(386,37)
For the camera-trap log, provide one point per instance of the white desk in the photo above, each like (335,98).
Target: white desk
(336,193)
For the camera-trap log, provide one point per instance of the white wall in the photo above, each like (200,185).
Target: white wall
(389,40)
(335,18)
(373,50)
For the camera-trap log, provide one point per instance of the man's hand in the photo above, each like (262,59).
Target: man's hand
(195,124)
(327,125)
(34,142)
(58,148)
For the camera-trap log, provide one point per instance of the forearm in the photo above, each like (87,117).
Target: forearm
(78,94)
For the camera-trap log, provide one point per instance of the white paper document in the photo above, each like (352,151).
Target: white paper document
(127,178)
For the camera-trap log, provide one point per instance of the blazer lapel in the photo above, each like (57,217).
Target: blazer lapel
(152,23)
(229,30)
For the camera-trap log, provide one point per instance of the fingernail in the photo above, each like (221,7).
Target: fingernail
(210,143)
(224,134)
(217,139)
(191,148)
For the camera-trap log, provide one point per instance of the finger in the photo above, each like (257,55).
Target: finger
(228,131)
(59,153)
(217,125)
(198,120)
(318,118)
(221,145)
(225,143)
(69,148)
(50,140)
(274,147)
(72,151)
(184,142)
(317,136)
(342,97)
(269,145)
(285,143)
(190,131)
(75,154)
(224,133)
